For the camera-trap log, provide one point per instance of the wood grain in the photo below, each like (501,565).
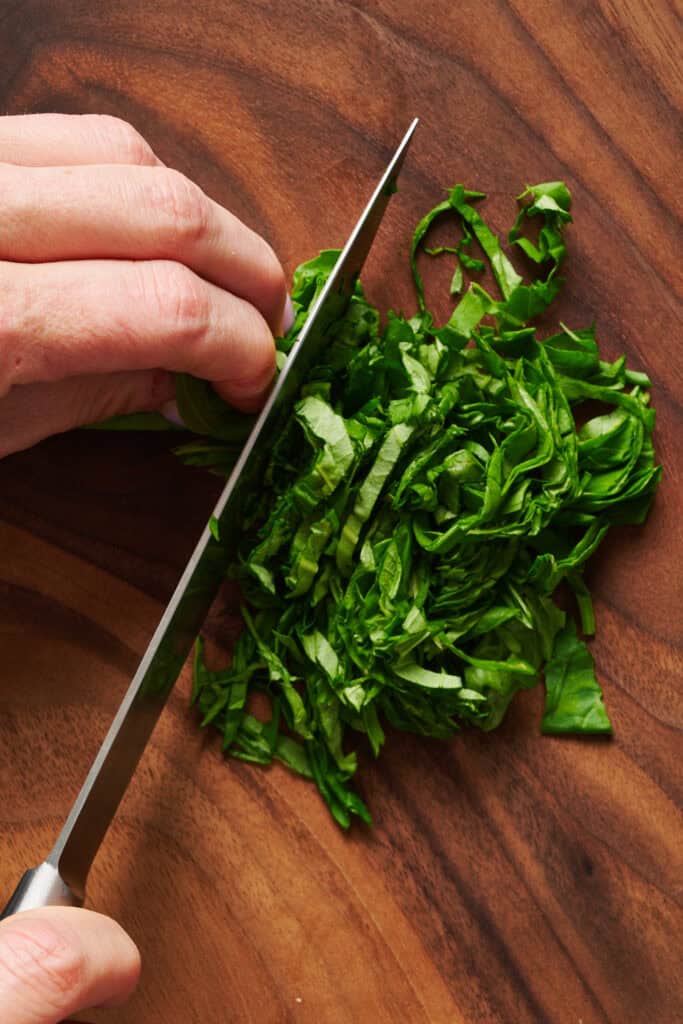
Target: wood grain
(509,879)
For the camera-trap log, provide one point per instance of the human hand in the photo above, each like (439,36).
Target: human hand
(59,961)
(115,271)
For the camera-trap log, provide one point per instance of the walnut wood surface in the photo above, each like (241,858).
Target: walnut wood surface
(510,878)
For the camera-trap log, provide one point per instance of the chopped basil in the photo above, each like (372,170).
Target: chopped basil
(428,497)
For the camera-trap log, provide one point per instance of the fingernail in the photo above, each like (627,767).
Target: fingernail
(169,410)
(288,315)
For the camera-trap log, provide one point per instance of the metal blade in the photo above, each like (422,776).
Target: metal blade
(125,742)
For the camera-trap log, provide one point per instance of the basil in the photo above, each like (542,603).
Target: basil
(433,489)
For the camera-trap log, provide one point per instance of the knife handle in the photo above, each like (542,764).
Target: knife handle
(41,887)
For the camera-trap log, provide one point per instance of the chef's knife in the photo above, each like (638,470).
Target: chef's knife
(61,879)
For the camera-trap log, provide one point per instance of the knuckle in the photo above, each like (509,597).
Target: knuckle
(182,301)
(36,958)
(182,208)
(123,142)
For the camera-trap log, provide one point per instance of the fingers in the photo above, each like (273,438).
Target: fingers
(142,213)
(63,198)
(31,412)
(50,140)
(59,961)
(103,316)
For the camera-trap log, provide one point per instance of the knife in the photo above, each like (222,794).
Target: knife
(60,880)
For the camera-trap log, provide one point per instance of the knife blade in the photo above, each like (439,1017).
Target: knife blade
(61,879)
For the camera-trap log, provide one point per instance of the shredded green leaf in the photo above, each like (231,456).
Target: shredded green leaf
(573,696)
(433,489)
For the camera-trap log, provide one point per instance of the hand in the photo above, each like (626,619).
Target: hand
(59,961)
(114,271)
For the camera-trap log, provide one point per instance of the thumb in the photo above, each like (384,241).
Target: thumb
(59,961)
(31,412)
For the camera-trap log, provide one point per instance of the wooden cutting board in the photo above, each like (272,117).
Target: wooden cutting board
(509,878)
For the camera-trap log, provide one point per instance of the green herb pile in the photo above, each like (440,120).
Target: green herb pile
(429,495)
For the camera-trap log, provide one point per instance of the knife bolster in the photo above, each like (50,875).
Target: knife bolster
(41,887)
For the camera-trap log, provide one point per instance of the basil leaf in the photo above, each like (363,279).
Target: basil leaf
(573,696)
(433,489)
(204,412)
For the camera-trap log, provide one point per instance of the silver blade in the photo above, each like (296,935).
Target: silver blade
(125,742)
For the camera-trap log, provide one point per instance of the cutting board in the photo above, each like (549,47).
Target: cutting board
(509,878)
